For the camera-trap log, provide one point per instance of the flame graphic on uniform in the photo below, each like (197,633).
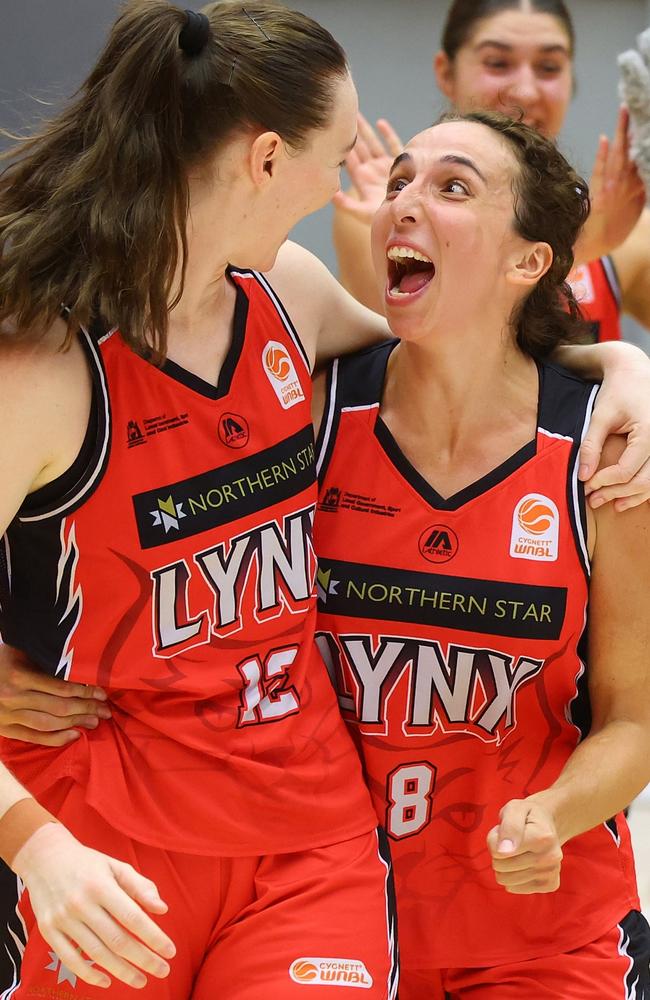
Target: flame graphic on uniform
(534,517)
(278,363)
(304,970)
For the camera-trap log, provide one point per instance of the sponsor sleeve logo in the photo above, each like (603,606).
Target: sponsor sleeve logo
(330,972)
(535,529)
(282,375)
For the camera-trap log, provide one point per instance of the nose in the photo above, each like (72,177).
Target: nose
(523,87)
(405,207)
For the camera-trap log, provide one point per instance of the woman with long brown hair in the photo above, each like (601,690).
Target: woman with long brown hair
(157,521)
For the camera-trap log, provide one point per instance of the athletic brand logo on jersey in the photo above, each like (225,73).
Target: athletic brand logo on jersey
(233,430)
(168,514)
(330,972)
(535,529)
(282,375)
(438,543)
(463,690)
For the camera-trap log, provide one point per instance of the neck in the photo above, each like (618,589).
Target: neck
(454,389)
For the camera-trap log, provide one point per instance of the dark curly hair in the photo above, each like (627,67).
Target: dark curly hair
(551,205)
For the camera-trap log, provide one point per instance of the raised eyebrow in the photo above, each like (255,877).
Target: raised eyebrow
(464,161)
(402,158)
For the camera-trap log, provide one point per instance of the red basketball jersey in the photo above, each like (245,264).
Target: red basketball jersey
(596,288)
(454,630)
(178,573)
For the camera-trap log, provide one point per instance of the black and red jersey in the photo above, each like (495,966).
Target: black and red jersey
(455,631)
(598,293)
(174,566)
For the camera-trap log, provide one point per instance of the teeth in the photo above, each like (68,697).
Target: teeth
(395,293)
(400,253)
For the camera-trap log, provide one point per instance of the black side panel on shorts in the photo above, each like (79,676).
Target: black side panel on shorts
(635,943)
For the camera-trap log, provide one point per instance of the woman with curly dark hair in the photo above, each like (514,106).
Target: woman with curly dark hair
(490,642)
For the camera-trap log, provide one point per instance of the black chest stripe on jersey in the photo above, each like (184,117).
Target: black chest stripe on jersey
(219,496)
(489,607)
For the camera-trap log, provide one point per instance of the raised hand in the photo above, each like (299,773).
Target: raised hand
(37,708)
(525,848)
(617,194)
(368,165)
(85,902)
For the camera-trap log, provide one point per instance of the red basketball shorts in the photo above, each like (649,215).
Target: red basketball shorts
(614,967)
(283,927)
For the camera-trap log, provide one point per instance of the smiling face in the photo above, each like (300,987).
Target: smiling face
(444,242)
(514,61)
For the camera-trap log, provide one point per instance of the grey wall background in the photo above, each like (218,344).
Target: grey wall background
(47,46)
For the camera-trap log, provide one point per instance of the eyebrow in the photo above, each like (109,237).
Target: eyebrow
(464,161)
(504,47)
(351,145)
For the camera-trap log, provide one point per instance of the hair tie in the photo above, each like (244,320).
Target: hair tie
(194,33)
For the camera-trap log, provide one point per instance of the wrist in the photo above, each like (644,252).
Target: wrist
(556,805)
(18,827)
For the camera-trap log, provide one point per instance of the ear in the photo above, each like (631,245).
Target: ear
(444,74)
(529,266)
(264,157)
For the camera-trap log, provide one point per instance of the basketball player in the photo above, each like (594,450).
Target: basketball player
(157,523)
(458,569)
(517,57)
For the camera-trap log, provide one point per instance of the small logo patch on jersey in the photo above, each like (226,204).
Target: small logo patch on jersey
(330,972)
(438,543)
(535,529)
(168,514)
(134,435)
(582,285)
(282,375)
(233,430)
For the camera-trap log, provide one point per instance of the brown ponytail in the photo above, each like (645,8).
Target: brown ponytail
(93,209)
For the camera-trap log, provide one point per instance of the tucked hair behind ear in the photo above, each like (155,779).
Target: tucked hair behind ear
(551,205)
(93,209)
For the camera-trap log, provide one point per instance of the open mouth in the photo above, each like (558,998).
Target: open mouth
(409,271)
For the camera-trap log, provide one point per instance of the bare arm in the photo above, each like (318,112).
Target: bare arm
(612,764)
(81,898)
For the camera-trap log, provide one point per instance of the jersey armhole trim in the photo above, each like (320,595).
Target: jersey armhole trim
(611,276)
(329,424)
(90,477)
(576,495)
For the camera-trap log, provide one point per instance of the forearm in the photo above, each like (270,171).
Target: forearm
(11,791)
(595,361)
(602,776)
